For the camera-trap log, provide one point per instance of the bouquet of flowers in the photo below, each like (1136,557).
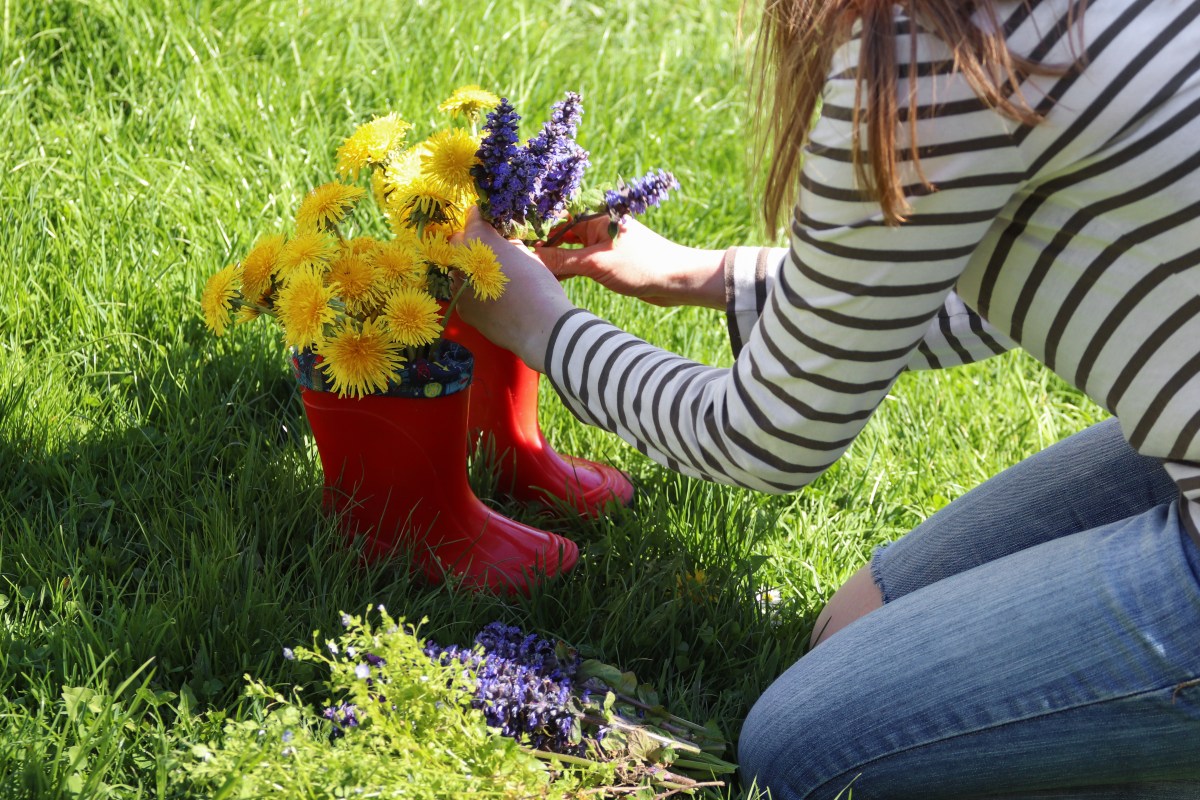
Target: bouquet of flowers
(574,711)
(515,715)
(362,312)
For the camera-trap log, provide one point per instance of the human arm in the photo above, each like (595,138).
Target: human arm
(520,320)
(639,263)
(852,303)
(956,335)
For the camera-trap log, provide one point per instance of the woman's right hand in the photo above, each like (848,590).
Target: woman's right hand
(639,263)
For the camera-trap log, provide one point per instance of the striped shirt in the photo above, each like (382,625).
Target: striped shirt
(1077,239)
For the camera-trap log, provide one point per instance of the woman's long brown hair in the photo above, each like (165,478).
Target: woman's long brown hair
(795,49)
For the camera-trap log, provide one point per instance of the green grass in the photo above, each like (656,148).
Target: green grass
(160,525)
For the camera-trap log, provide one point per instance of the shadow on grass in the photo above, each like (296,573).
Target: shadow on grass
(185,529)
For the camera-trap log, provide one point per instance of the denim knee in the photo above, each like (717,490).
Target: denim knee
(1054,672)
(762,747)
(777,734)
(1091,479)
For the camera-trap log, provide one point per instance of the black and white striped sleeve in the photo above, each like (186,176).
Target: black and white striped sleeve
(851,303)
(957,335)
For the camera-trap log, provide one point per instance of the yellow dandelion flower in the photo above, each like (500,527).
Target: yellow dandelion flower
(362,245)
(466,199)
(408,237)
(412,317)
(694,587)
(326,206)
(418,281)
(449,156)
(400,170)
(310,250)
(490,284)
(303,309)
(252,310)
(478,262)
(360,358)
(453,224)
(399,225)
(468,100)
(216,301)
(446,229)
(437,250)
(259,265)
(426,201)
(370,144)
(399,261)
(358,280)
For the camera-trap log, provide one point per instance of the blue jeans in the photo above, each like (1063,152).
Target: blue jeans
(1040,639)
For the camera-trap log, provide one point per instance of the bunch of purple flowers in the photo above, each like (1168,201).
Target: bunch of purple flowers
(525,689)
(541,693)
(537,185)
(561,708)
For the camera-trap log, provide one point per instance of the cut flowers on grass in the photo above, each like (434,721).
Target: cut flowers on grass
(513,715)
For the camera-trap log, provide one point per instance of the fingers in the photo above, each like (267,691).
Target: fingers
(567,263)
(476,227)
(563,263)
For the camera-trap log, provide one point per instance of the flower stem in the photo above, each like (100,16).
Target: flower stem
(240,303)
(546,755)
(688,788)
(686,763)
(670,717)
(619,722)
(437,346)
(561,232)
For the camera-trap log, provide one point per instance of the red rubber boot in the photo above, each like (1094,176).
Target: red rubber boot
(396,468)
(504,403)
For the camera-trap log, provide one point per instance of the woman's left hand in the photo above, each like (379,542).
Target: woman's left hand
(521,319)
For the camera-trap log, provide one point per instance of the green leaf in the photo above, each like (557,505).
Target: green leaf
(644,747)
(622,682)
(77,698)
(593,668)
(576,732)
(74,784)
(714,730)
(647,695)
(154,699)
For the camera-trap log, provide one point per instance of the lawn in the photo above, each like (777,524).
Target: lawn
(161,532)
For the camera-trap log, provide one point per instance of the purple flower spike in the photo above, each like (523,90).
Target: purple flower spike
(562,181)
(557,159)
(515,182)
(522,687)
(640,194)
(506,191)
(568,113)
(558,134)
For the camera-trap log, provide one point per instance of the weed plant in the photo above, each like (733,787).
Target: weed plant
(161,531)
